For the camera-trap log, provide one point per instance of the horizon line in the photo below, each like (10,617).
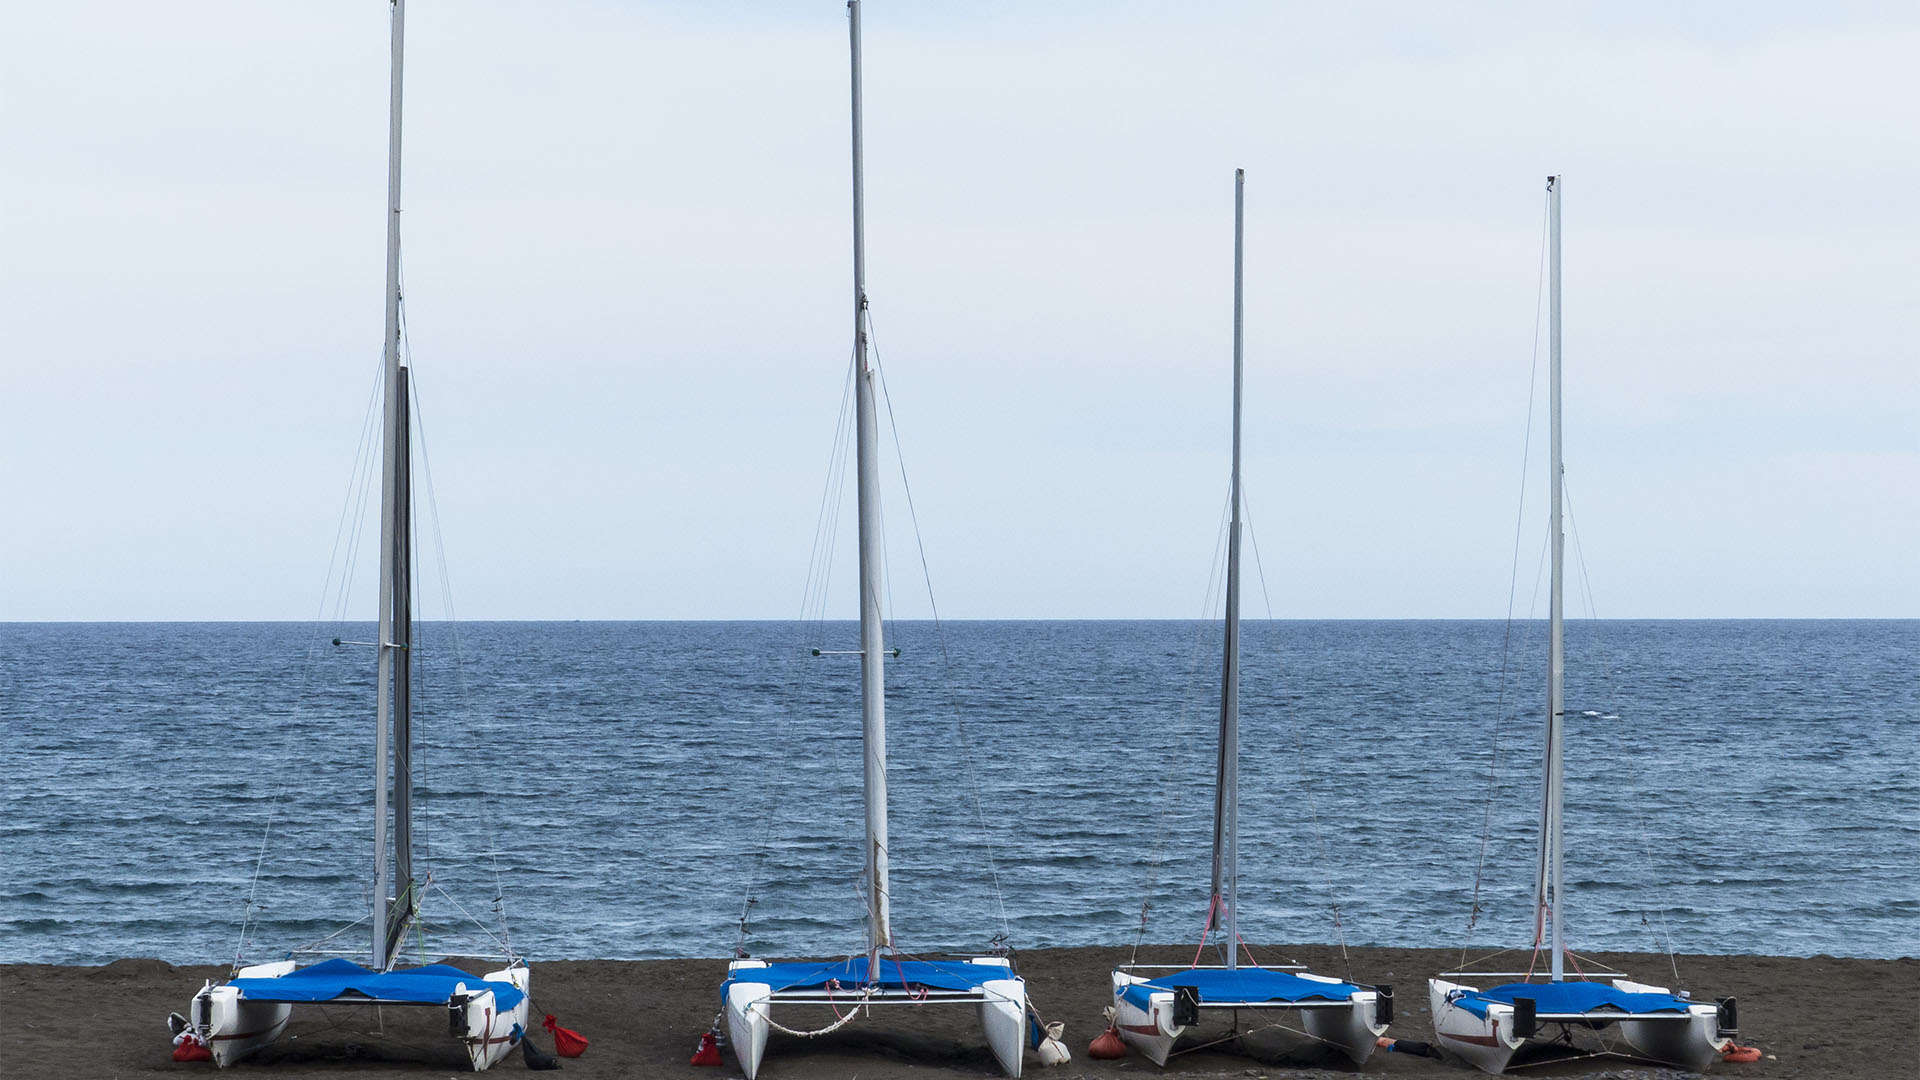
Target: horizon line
(1001,619)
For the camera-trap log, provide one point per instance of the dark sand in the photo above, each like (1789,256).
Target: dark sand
(1822,1017)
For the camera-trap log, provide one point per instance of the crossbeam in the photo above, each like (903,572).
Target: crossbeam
(856,998)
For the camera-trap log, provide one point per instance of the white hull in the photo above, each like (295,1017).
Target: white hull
(232,1027)
(1490,1042)
(1487,1043)
(1693,1045)
(747,1008)
(1353,1028)
(489,1033)
(1002,1004)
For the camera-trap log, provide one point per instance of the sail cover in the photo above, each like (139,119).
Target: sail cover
(332,980)
(1242,986)
(852,975)
(1572,998)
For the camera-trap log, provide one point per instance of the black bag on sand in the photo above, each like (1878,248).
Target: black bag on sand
(536,1060)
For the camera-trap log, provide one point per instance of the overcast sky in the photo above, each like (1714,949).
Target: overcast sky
(628,270)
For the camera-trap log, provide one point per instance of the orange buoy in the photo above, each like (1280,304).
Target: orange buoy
(1740,1054)
(1107,1045)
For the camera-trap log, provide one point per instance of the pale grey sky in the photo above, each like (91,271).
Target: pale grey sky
(628,283)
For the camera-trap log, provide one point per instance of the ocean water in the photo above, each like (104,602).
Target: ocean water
(623,790)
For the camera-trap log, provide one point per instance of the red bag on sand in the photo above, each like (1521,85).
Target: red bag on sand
(565,1043)
(1107,1045)
(709,1052)
(188,1047)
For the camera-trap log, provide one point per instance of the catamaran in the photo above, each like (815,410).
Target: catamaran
(882,975)
(1489,1027)
(1154,1006)
(486,1014)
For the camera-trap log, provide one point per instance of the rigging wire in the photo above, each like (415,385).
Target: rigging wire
(1664,936)
(358,478)
(946,658)
(463,698)
(1321,858)
(360,492)
(812,635)
(1213,598)
(1506,637)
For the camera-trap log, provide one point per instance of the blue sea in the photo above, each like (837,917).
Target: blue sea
(630,790)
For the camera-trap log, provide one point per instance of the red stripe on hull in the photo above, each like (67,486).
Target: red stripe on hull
(1472,1040)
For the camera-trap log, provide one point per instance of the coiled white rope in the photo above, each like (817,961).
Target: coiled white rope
(843,1021)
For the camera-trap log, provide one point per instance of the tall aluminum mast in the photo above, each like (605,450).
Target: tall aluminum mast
(873,717)
(393,735)
(1552,837)
(1226,797)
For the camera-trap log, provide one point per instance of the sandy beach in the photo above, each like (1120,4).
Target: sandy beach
(1818,1017)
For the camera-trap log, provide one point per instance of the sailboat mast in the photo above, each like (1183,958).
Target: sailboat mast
(873,718)
(1226,799)
(1552,836)
(392,737)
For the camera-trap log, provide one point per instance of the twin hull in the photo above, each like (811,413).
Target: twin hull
(1002,1004)
(1350,1027)
(1692,1042)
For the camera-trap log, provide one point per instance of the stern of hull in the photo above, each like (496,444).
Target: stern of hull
(1354,1030)
(489,1033)
(1150,1031)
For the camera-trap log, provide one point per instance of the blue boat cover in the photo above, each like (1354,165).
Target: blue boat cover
(1248,986)
(330,980)
(1576,997)
(852,975)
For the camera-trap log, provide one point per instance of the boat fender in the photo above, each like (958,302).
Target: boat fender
(1740,1055)
(1053,1051)
(708,1052)
(1524,1025)
(535,1059)
(565,1043)
(188,1047)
